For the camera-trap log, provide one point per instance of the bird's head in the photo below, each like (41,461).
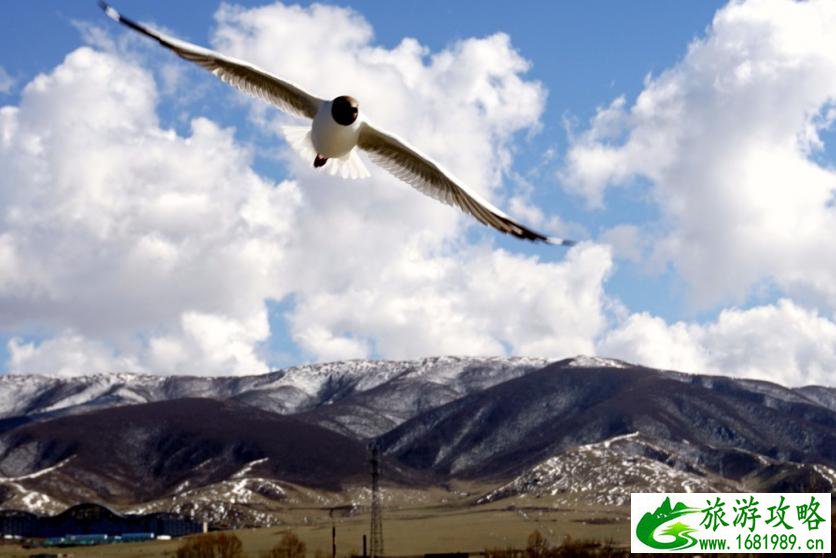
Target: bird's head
(344,110)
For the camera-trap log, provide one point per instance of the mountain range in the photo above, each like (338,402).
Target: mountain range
(235,449)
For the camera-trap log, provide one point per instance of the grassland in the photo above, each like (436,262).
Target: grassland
(407,531)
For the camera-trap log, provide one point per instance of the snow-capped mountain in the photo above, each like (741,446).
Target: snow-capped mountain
(236,449)
(718,423)
(400,388)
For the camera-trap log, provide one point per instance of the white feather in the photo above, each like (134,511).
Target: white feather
(299,138)
(349,165)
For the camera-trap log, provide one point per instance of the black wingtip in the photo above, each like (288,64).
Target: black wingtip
(560,242)
(109,10)
(524,233)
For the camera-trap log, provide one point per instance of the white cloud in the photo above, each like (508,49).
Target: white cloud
(476,302)
(6,81)
(66,355)
(780,342)
(627,241)
(137,247)
(727,137)
(210,342)
(116,230)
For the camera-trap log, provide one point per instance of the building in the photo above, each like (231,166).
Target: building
(93,519)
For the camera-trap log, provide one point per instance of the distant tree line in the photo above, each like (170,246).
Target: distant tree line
(226,545)
(538,546)
(215,545)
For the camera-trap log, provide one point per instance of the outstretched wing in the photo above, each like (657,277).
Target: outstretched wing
(418,170)
(237,73)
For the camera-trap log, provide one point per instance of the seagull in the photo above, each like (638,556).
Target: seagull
(338,130)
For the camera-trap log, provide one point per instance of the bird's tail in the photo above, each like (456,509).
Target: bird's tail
(347,166)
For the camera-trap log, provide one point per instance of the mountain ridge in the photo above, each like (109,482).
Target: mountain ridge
(567,431)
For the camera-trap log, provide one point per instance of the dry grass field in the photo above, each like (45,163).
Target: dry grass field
(407,532)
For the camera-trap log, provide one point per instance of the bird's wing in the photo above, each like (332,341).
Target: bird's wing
(237,73)
(418,170)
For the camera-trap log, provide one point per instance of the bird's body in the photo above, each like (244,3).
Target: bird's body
(331,139)
(338,130)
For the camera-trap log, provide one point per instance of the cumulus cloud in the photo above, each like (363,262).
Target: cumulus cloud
(477,301)
(137,248)
(780,342)
(66,355)
(125,239)
(728,138)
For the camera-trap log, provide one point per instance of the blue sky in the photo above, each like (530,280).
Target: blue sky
(584,56)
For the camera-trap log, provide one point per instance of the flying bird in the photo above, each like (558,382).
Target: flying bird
(338,130)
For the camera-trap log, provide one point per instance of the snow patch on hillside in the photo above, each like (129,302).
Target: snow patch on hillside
(37,474)
(605,473)
(584,361)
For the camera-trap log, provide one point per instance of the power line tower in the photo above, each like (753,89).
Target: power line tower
(376,550)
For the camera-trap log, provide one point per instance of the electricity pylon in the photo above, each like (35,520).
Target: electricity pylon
(376,550)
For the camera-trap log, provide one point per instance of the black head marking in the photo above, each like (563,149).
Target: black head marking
(344,110)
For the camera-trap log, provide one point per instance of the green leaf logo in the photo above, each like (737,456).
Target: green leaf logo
(680,532)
